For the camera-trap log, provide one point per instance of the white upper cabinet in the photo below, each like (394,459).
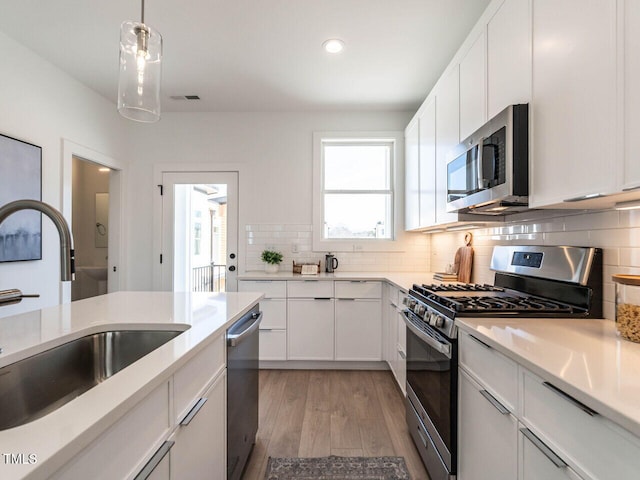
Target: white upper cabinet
(447,137)
(473,87)
(574,113)
(412,176)
(428,163)
(508,56)
(631,171)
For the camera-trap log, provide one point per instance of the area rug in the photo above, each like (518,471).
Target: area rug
(337,468)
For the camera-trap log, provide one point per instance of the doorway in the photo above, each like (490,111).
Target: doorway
(199,231)
(90,227)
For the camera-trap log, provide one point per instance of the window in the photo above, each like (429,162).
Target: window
(354,187)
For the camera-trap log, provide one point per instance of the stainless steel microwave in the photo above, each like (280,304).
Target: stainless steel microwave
(489,170)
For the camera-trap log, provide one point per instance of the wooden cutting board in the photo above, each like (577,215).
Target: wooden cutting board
(463,261)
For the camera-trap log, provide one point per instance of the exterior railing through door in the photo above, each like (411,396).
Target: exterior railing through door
(209,278)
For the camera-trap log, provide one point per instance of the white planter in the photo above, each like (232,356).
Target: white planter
(271,267)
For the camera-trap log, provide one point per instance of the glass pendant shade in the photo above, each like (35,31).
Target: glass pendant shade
(140,72)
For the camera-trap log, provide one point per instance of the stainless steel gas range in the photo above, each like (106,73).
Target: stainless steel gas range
(530,281)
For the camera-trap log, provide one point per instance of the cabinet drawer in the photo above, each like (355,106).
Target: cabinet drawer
(191,380)
(270,288)
(358,289)
(590,443)
(309,289)
(274,313)
(273,344)
(118,452)
(496,372)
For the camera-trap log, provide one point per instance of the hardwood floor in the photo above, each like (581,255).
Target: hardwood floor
(316,413)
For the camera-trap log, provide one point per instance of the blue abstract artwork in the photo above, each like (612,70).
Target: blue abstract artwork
(20,178)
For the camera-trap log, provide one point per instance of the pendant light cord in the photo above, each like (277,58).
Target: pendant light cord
(142,21)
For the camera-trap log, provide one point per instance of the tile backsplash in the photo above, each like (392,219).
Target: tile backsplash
(616,232)
(294,241)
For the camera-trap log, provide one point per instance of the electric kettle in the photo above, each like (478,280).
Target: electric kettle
(330,263)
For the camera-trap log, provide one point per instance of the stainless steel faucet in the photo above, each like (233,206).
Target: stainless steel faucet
(67,267)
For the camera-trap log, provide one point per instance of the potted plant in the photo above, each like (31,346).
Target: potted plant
(272,260)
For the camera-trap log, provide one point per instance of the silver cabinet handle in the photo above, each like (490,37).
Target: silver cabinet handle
(193,412)
(494,401)
(540,445)
(584,197)
(402,354)
(346,299)
(485,345)
(322,298)
(633,187)
(155,460)
(576,403)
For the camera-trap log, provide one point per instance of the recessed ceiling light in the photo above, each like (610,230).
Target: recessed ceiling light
(333,45)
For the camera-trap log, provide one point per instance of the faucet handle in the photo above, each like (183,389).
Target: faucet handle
(13,295)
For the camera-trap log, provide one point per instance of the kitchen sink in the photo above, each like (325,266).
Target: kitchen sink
(42,383)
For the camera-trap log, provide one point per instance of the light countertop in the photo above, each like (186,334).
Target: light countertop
(58,436)
(583,357)
(403,280)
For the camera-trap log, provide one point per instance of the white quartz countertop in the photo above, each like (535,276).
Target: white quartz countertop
(403,280)
(58,436)
(583,357)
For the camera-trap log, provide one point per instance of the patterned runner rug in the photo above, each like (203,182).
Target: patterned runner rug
(337,468)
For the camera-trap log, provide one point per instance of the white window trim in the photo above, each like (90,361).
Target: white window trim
(397,174)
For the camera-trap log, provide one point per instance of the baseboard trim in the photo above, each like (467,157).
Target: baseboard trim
(321,365)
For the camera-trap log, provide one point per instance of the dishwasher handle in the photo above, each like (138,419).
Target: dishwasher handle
(235,339)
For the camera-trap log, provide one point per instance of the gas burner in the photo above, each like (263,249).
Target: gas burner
(461,287)
(505,303)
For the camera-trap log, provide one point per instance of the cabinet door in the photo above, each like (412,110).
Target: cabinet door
(200,448)
(358,329)
(508,56)
(392,340)
(631,180)
(412,176)
(538,462)
(447,137)
(428,164)
(274,312)
(473,91)
(310,331)
(574,101)
(273,344)
(487,434)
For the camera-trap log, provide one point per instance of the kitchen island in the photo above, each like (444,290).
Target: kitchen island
(98,429)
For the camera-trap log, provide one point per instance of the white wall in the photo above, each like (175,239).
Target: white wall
(274,149)
(42,105)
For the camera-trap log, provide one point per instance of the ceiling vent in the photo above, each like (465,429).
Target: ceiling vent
(184,97)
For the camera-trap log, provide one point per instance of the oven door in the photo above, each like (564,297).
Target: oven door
(432,382)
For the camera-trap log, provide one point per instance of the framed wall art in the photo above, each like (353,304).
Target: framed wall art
(20,178)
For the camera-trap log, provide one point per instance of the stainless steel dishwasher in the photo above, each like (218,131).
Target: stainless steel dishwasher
(242,391)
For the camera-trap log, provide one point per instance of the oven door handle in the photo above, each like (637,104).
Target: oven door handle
(445,349)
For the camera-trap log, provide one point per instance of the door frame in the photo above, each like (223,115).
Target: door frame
(117,199)
(158,171)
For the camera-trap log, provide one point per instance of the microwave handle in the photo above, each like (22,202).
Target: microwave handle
(480,163)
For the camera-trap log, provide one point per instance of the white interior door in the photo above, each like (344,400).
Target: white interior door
(199,250)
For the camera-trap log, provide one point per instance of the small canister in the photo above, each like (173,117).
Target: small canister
(628,306)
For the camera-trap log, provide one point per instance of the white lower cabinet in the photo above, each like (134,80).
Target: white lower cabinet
(200,440)
(545,434)
(310,332)
(117,453)
(358,329)
(401,351)
(538,462)
(488,434)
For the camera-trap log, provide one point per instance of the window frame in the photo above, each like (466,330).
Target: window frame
(396,140)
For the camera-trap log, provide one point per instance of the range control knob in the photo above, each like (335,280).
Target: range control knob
(439,321)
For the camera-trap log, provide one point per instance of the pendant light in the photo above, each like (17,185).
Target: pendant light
(140,71)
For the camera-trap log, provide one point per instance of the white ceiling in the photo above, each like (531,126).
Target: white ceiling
(258,55)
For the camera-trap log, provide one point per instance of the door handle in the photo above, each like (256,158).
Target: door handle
(235,339)
(232,268)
